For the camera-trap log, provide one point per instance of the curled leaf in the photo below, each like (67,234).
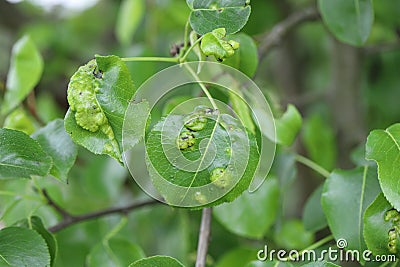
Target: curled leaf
(213,43)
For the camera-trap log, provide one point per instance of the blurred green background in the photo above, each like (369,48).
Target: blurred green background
(341,91)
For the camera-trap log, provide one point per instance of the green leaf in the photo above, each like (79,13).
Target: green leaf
(157,261)
(381,224)
(292,235)
(349,21)
(313,215)
(236,257)
(20,121)
(209,15)
(190,3)
(345,197)
(383,146)
(21,156)
(129,16)
(319,141)
(58,144)
(26,68)
(115,252)
(242,109)
(245,58)
(98,94)
(268,264)
(172,103)
(320,264)
(36,224)
(288,126)
(206,149)
(243,216)
(214,44)
(23,247)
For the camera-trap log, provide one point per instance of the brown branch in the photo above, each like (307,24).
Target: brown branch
(279,31)
(204,237)
(72,219)
(65,214)
(31,105)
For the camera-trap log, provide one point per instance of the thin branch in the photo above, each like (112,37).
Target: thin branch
(68,221)
(279,31)
(65,214)
(204,237)
(312,165)
(31,104)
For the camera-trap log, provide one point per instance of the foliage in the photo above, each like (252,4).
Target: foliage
(65,191)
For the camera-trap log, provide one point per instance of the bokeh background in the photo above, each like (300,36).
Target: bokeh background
(341,91)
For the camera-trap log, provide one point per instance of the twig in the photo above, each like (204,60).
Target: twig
(278,32)
(204,236)
(65,214)
(31,104)
(68,221)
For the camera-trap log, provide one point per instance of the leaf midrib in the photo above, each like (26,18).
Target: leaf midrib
(393,139)
(202,158)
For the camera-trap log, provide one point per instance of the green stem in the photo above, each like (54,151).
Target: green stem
(117,228)
(203,87)
(185,39)
(311,164)
(183,58)
(158,59)
(317,244)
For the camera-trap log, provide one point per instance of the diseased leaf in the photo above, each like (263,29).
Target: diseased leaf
(98,94)
(36,224)
(209,15)
(196,159)
(129,17)
(349,21)
(288,126)
(381,228)
(58,144)
(21,156)
(243,216)
(23,247)
(355,190)
(26,68)
(157,261)
(383,146)
(214,43)
(245,58)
